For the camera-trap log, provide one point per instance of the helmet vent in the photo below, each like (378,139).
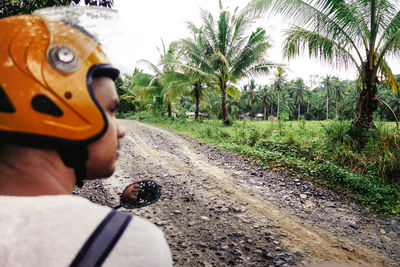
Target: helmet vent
(5,103)
(43,104)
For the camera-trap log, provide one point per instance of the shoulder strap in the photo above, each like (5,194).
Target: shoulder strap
(103,239)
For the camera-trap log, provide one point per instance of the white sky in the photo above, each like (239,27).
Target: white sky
(147,21)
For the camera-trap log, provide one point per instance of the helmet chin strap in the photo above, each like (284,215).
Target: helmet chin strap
(75,157)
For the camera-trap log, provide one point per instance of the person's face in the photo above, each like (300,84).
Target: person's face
(103,152)
(131,192)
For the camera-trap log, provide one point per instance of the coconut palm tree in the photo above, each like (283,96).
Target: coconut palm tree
(250,97)
(191,61)
(338,96)
(268,98)
(327,83)
(359,33)
(166,82)
(278,84)
(232,53)
(298,94)
(308,94)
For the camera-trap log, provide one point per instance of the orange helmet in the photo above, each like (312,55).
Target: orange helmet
(46,66)
(47,62)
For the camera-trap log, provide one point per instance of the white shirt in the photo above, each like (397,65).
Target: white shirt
(50,230)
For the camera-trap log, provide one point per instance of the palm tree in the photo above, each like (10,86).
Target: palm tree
(193,65)
(249,96)
(298,94)
(268,98)
(165,82)
(327,83)
(233,54)
(338,96)
(307,94)
(344,33)
(279,81)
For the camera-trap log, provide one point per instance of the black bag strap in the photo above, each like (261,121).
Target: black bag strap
(102,240)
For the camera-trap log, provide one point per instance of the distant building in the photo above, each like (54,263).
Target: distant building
(191,115)
(259,117)
(245,116)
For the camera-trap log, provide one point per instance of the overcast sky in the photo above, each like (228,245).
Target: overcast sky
(146,22)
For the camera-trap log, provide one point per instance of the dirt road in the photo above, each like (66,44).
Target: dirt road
(217,209)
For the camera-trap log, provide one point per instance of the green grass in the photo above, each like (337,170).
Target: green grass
(319,150)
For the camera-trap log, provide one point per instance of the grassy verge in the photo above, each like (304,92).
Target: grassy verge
(318,150)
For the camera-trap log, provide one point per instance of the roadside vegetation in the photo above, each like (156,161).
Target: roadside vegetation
(319,150)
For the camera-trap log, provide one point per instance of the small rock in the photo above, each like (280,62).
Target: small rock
(276,242)
(214,247)
(204,218)
(225,210)
(267,255)
(236,234)
(303,196)
(161,223)
(177,212)
(278,248)
(354,226)
(348,248)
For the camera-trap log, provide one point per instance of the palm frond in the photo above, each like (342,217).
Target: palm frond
(233,91)
(390,79)
(297,40)
(150,65)
(336,19)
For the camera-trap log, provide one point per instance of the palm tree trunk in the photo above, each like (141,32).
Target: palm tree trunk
(224,111)
(337,103)
(298,113)
(169,109)
(367,104)
(196,113)
(308,106)
(265,110)
(327,107)
(277,110)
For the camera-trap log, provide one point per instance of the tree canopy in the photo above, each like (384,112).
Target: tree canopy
(16,7)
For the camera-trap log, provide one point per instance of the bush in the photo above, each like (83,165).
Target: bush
(253,137)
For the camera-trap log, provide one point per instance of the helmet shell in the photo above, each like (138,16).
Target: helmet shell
(40,102)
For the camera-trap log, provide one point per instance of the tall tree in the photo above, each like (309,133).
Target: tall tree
(338,96)
(308,94)
(328,86)
(250,96)
(298,94)
(360,33)
(193,65)
(278,84)
(268,98)
(232,52)
(166,82)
